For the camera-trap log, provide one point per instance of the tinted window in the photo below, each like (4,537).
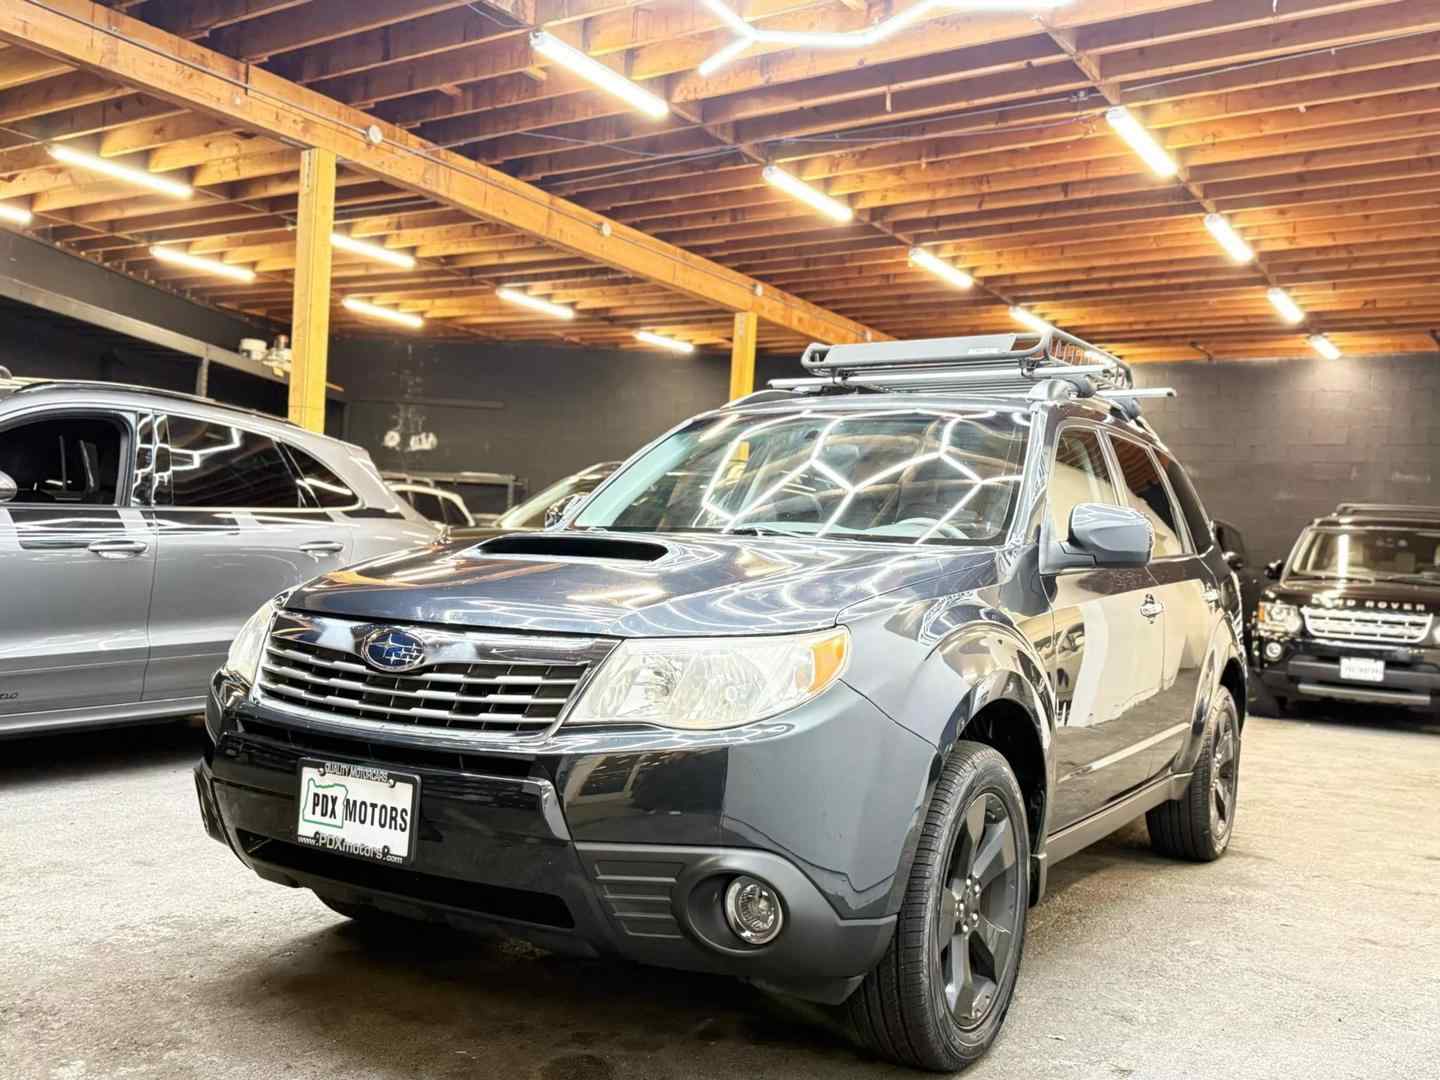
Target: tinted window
(72,460)
(430,506)
(214,464)
(1080,475)
(320,483)
(1146,493)
(1190,505)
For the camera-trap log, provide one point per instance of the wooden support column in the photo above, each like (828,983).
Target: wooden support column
(310,323)
(742,354)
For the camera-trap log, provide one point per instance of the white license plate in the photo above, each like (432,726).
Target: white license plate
(1362,669)
(357,810)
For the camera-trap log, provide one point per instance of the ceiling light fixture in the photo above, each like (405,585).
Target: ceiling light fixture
(662,342)
(1030,320)
(1288,309)
(372,251)
(1141,141)
(116,171)
(375,311)
(15,215)
(1226,236)
(612,82)
(812,197)
(1324,346)
(941,269)
(176,257)
(524,299)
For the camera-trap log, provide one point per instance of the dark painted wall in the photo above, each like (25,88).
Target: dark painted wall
(1272,444)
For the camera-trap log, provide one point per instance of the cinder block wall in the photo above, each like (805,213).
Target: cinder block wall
(1274,443)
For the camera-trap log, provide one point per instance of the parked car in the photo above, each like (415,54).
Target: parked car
(538,510)
(443,508)
(777,700)
(1237,556)
(1351,613)
(138,530)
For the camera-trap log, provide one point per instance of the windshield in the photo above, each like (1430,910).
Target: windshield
(883,474)
(1391,554)
(530,514)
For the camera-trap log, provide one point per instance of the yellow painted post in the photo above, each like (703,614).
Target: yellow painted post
(742,354)
(310,324)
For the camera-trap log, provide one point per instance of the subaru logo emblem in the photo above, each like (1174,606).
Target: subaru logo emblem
(388,649)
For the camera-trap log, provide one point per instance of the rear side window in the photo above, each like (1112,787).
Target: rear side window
(1190,505)
(216,465)
(1145,492)
(1080,475)
(318,481)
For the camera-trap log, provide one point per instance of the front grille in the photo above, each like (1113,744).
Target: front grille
(498,686)
(1349,624)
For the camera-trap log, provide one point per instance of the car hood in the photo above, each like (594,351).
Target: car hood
(631,585)
(1376,595)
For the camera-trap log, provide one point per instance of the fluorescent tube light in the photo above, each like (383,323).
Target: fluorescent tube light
(375,311)
(116,171)
(1324,346)
(941,269)
(818,200)
(1288,309)
(1234,245)
(15,214)
(205,266)
(552,48)
(725,55)
(1141,141)
(1031,321)
(372,251)
(524,299)
(662,342)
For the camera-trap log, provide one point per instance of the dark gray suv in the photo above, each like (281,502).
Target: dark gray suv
(811,691)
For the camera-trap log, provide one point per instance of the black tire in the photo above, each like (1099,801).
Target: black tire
(906,1009)
(1199,824)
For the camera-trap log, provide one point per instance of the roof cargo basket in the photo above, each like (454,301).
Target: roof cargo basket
(1047,364)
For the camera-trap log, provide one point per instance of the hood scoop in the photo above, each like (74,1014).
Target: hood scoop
(573,546)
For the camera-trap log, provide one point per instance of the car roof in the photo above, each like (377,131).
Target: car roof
(1389,520)
(13,386)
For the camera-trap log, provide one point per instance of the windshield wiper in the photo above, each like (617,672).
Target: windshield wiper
(760,530)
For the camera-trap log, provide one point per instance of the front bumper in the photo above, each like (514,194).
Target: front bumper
(625,851)
(1309,669)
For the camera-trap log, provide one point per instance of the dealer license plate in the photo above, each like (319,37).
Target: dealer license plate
(357,810)
(1362,669)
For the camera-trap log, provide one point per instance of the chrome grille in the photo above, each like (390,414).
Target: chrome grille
(1355,624)
(495,686)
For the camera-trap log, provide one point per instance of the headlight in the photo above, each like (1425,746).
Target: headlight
(243,659)
(1273,618)
(702,684)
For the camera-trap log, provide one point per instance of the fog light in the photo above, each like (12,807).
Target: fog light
(753,911)
(1274,650)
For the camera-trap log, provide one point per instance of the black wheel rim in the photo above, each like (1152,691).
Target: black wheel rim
(1224,778)
(980,910)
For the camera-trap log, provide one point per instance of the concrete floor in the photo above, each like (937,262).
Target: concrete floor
(132,945)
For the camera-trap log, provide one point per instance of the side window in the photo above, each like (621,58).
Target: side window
(325,489)
(1080,475)
(429,505)
(215,465)
(65,460)
(1190,504)
(1146,493)
(455,513)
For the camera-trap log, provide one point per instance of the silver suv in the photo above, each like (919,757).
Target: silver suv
(139,528)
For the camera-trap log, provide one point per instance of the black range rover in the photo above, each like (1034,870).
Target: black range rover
(1351,616)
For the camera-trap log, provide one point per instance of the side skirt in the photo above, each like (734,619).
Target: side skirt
(1076,837)
(138,712)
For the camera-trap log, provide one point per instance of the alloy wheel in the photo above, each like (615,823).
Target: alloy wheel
(1224,777)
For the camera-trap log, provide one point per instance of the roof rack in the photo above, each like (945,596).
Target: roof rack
(1049,364)
(1386,509)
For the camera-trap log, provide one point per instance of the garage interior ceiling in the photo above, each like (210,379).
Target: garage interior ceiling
(1311,126)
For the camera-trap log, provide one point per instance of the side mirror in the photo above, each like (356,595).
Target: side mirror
(557,512)
(1103,535)
(1272,569)
(8,488)
(1234,560)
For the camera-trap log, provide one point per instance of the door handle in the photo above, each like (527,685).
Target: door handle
(118,549)
(322,547)
(1150,607)
(1212,596)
